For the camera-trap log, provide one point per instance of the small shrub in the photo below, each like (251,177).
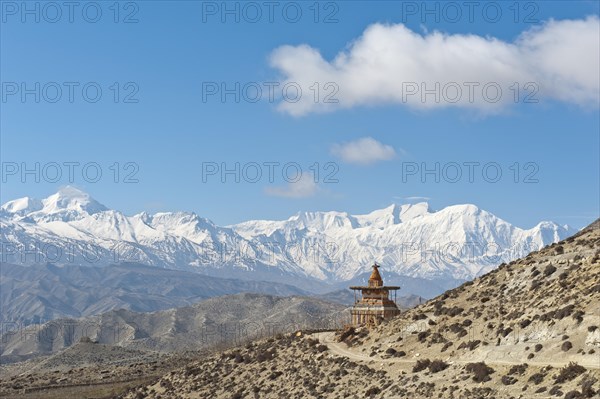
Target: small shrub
(535,284)
(455,311)
(555,391)
(537,378)
(422,336)
(421,365)
(274,375)
(578,315)
(549,270)
(437,338)
(455,328)
(508,380)
(481,371)
(573,395)
(587,383)
(470,345)
(566,346)
(347,333)
(446,346)
(564,312)
(538,347)
(524,323)
(559,250)
(569,373)
(437,365)
(505,332)
(563,276)
(264,356)
(518,369)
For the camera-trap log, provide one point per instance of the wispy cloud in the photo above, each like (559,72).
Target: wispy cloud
(414,198)
(303,188)
(363,151)
(385,64)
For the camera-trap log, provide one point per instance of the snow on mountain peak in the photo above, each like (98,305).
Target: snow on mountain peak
(71,198)
(322,220)
(408,239)
(69,203)
(22,206)
(182,224)
(467,209)
(393,214)
(409,212)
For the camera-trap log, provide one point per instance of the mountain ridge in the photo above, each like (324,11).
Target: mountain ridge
(40,293)
(458,242)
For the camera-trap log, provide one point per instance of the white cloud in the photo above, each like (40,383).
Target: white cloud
(303,188)
(388,62)
(363,151)
(417,198)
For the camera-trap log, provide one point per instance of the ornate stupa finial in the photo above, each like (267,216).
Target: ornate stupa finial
(375,280)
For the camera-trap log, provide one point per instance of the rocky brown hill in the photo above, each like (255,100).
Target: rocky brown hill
(99,357)
(216,322)
(529,329)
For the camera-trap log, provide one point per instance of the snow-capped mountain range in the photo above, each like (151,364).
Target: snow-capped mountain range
(458,242)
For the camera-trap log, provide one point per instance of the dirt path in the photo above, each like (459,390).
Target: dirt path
(341,349)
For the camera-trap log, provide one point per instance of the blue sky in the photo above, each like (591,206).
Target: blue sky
(363,146)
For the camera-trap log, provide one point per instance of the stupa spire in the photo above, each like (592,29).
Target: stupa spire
(375,280)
